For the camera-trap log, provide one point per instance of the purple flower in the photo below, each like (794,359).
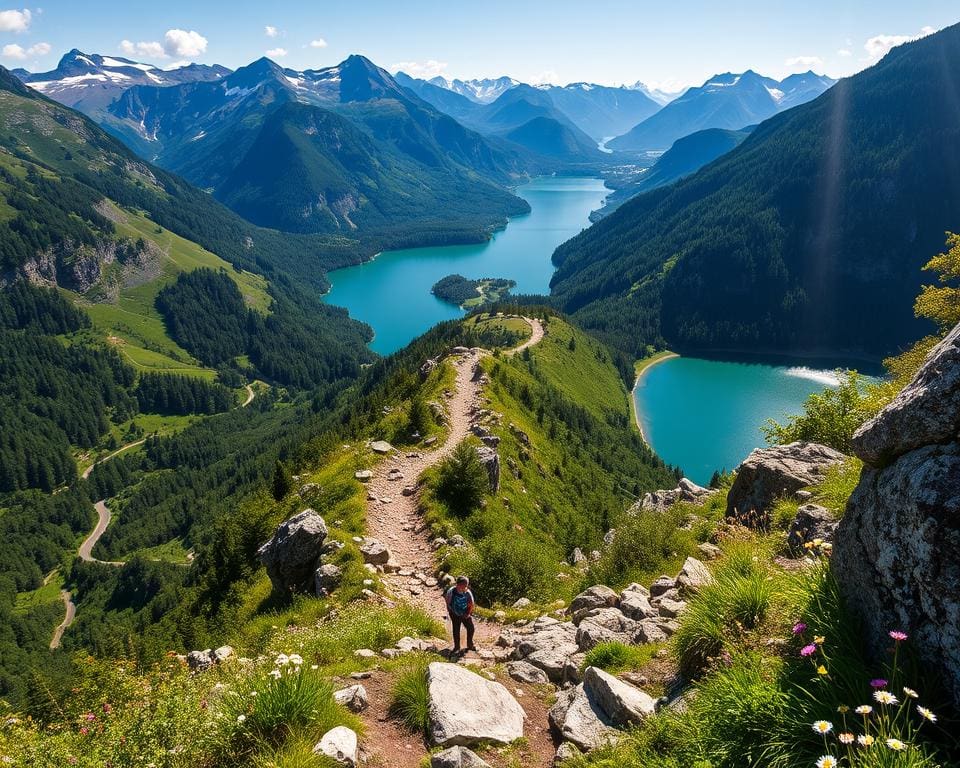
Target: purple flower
(808,650)
(897,635)
(878,683)
(799,628)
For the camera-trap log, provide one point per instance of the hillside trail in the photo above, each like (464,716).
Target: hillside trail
(395,519)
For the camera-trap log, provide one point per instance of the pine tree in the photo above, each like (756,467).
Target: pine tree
(282,481)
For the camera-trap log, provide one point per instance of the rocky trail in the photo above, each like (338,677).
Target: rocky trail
(393,515)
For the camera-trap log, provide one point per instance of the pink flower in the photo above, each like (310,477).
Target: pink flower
(799,627)
(897,635)
(808,650)
(878,683)
(89,717)
(84,731)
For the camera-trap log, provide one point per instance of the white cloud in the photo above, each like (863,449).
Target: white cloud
(845,53)
(277,53)
(803,63)
(14,51)
(14,21)
(878,46)
(179,42)
(547,77)
(318,43)
(271,31)
(422,69)
(143,49)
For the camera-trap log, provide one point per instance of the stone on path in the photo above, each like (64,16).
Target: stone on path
(339,744)
(381,446)
(525,672)
(466,709)
(374,552)
(577,719)
(353,698)
(457,757)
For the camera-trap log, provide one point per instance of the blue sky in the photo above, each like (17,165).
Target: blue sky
(669,43)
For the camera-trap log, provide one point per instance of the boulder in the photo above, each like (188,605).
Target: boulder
(650,631)
(811,523)
(200,661)
(292,555)
(374,552)
(772,473)
(467,709)
(566,751)
(525,672)
(363,475)
(553,660)
(577,719)
(339,744)
(598,596)
(604,625)
(925,412)
(708,551)
(671,608)
(635,603)
(381,446)
(457,757)
(490,460)
(222,653)
(353,698)
(623,704)
(661,585)
(521,603)
(327,578)
(693,576)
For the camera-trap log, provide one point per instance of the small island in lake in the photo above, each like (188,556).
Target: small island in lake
(467,293)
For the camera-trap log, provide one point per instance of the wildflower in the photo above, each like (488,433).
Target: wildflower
(822,727)
(846,738)
(911,693)
(926,714)
(896,745)
(864,709)
(878,683)
(296,659)
(885,697)
(314,666)
(84,731)
(282,660)
(808,650)
(275,674)
(89,717)
(897,635)
(253,693)
(865,740)
(827,761)
(241,718)
(843,709)
(799,628)
(819,639)
(821,670)
(107,708)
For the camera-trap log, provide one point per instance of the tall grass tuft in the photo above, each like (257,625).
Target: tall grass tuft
(410,698)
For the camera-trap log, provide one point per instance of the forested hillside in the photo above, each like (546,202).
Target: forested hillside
(807,237)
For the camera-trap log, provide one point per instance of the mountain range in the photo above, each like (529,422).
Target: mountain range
(728,100)
(810,235)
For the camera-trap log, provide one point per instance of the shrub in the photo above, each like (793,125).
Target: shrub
(410,698)
(287,700)
(419,419)
(616,656)
(462,481)
(508,566)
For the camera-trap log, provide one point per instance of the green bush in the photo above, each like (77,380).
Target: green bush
(410,698)
(462,481)
(508,566)
(615,656)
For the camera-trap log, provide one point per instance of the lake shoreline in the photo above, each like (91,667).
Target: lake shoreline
(641,367)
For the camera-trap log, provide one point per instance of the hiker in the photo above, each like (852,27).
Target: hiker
(460,604)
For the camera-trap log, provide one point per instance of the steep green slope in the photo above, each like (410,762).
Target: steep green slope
(809,236)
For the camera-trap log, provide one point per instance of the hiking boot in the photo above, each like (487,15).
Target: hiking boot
(472,648)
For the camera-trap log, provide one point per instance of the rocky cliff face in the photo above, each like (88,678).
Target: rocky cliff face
(897,550)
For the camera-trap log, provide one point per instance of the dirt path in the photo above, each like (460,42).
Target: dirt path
(251,393)
(71,612)
(395,519)
(88,470)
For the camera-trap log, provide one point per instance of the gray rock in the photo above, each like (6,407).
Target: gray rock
(308,489)
(582,722)
(811,522)
(661,585)
(649,631)
(572,673)
(339,744)
(200,661)
(374,552)
(693,576)
(553,660)
(525,672)
(769,474)
(671,608)
(327,578)
(925,412)
(708,551)
(490,460)
(222,653)
(598,596)
(686,490)
(623,704)
(353,698)
(577,558)
(457,757)
(292,555)
(363,475)
(635,603)
(566,751)
(523,602)
(467,709)
(381,446)
(604,625)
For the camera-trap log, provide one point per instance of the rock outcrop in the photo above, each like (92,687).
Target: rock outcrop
(897,548)
(621,702)
(292,555)
(490,460)
(768,474)
(466,709)
(686,490)
(811,523)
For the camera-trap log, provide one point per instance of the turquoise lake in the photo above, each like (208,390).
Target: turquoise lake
(704,415)
(392,292)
